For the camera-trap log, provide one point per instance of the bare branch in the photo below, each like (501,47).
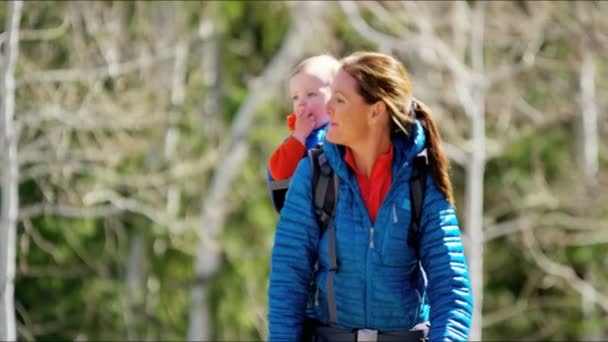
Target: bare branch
(527,62)
(359,24)
(599,237)
(66,211)
(528,110)
(177,171)
(42,34)
(554,219)
(41,242)
(90,119)
(505,313)
(23,328)
(456,154)
(497,149)
(524,303)
(570,277)
(528,56)
(102,72)
(106,155)
(429,40)
(126,204)
(384,16)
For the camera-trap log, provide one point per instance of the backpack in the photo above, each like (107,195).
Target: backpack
(325,190)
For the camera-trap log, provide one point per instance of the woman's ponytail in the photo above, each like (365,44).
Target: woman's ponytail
(438,161)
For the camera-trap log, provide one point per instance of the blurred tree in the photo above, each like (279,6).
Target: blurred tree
(9,208)
(145,128)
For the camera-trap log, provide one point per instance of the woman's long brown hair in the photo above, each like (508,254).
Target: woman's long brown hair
(381,77)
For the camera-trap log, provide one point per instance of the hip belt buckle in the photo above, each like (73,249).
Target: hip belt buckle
(367,335)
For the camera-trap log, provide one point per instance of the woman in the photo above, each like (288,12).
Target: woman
(376,130)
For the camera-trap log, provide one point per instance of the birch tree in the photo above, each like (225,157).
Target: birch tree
(10,173)
(588,134)
(210,31)
(588,144)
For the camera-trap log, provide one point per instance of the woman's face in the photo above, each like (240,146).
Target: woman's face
(348,112)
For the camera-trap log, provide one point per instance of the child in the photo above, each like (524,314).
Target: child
(309,88)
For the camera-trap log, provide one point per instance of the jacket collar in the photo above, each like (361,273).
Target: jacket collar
(405,149)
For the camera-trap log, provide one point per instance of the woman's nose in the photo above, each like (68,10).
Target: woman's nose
(329,109)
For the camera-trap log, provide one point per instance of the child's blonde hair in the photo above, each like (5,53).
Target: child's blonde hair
(323,66)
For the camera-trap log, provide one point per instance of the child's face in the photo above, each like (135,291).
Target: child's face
(310,94)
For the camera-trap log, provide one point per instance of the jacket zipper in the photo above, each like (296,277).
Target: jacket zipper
(371,237)
(395,219)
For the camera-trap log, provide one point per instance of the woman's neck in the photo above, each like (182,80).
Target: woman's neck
(366,152)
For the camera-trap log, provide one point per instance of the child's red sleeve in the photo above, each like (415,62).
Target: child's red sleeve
(285,159)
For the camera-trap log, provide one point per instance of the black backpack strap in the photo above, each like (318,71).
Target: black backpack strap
(278,190)
(324,185)
(325,191)
(417,188)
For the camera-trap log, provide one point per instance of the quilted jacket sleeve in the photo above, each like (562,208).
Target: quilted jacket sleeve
(293,257)
(444,261)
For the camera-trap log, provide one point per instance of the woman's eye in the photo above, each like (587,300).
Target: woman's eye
(339,100)
(294,98)
(312,94)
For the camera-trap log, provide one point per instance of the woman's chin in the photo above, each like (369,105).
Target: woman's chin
(331,138)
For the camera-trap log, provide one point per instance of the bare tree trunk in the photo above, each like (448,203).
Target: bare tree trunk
(10,175)
(172,134)
(134,276)
(199,328)
(210,32)
(475,172)
(588,154)
(588,302)
(588,135)
(460,25)
(214,204)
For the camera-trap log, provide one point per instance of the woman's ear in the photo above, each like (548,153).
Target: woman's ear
(378,111)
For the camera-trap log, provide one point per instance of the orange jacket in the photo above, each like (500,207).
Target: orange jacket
(285,158)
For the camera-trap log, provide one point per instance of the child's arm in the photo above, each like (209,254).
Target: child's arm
(285,159)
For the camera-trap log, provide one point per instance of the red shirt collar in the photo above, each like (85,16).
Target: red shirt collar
(382,166)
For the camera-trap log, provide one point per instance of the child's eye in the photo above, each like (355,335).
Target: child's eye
(294,98)
(312,93)
(339,100)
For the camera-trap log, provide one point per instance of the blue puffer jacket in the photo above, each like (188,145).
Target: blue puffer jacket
(375,286)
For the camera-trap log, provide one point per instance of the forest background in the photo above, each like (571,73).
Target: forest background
(135,137)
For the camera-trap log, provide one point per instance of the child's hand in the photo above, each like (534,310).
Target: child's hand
(305,123)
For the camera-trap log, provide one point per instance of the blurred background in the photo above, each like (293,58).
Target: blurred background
(135,137)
